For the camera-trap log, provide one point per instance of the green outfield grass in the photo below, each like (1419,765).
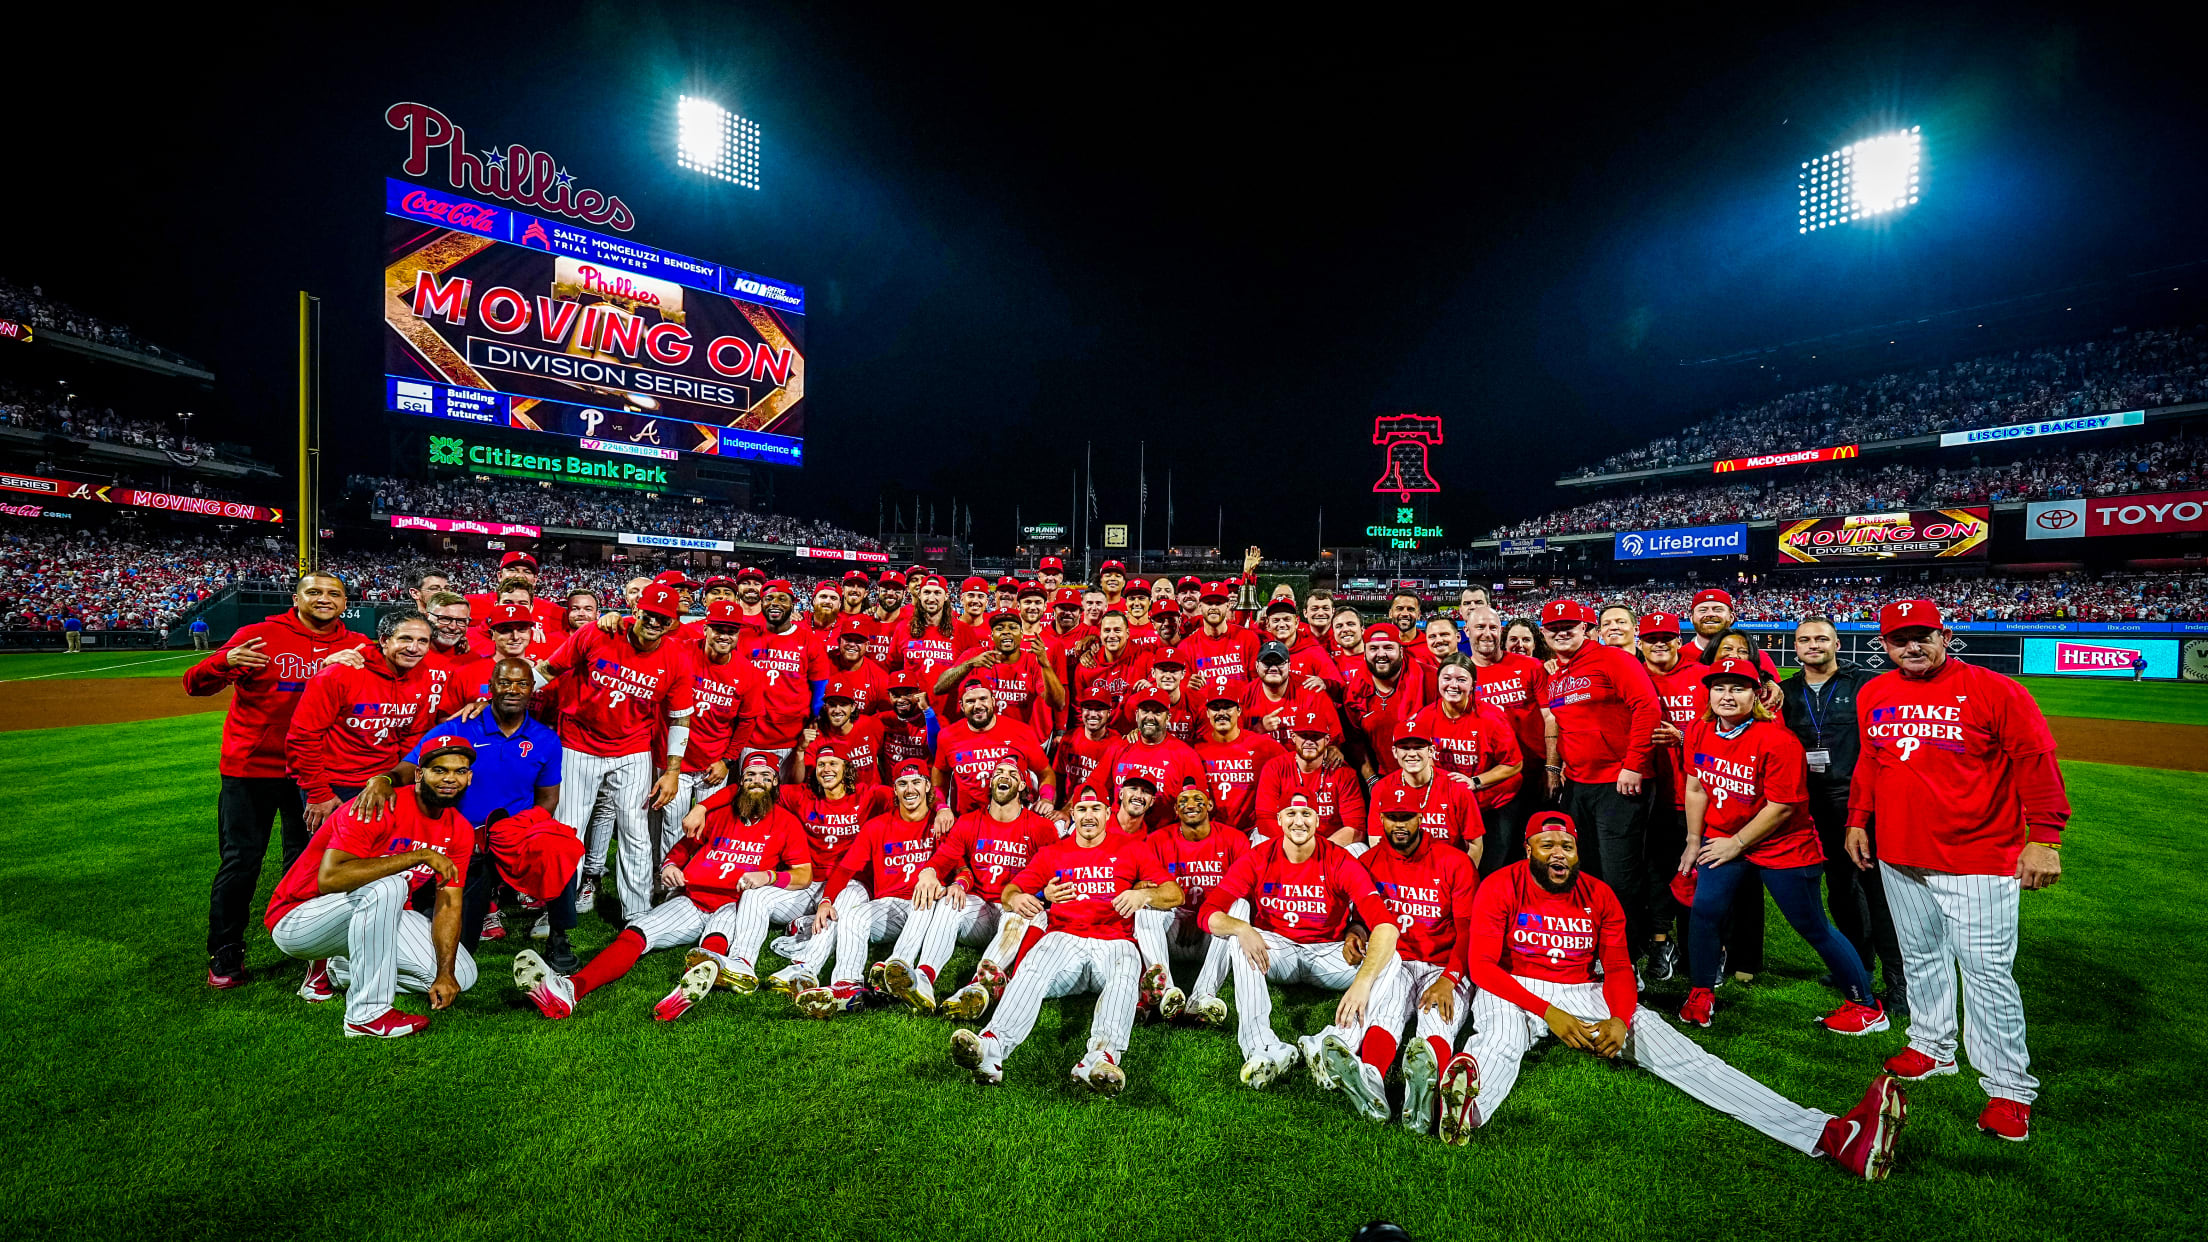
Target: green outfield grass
(139,1104)
(56,666)
(2161,702)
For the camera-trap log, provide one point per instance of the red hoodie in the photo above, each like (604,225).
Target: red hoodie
(1606,709)
(354,723)
(260,713)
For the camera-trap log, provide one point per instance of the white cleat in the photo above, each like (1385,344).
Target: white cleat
(971,1051)
(908,985)
(1460,1099)
(1097,1072)
(1357,1080)
(696,983)
(1308,1046)
(550,991)
(586,895)
(1209,1011)
(1171,1004)
(1421,1084)
(1267,1067)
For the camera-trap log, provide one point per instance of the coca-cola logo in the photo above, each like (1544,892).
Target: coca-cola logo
(2057,519)
(474,217)
(516,174)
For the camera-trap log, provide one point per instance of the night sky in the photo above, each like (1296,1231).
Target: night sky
(1236,241)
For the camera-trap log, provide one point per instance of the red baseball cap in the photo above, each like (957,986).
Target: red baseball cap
(504,616)
(918,571)
(1905,614)
(1067,597)
(1032,588)
(1111,567)
(1002,616)
(1216,590)
(904,679)
(1136,586)
(1088,793)
(1146,694)
(1168,660)
(444,744)
(1297,799)
(838,688)
(1712,595)
(751,571)
(724,612)
(779,584)
(1221,690)
(826,587)
(1410,738)
(518,558)
(935,580)
(1166,606)
(719,580)
(1551,821)
(982,682)
(891,577)
(1733,668)
(660,599)
(910,767)
(1383,631)
(1051,562)
(1093,697)
(1188,582)
(1566,612)
(974,583)
(673,578)
(852,628)
(761,759)
(856,577)
(1660,623)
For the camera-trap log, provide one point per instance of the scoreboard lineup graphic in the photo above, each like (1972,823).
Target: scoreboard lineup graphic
(505,318)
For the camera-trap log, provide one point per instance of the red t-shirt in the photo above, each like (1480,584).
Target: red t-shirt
(1605,708)
(886,856)
(1521,929)
(1110,680)
(616,695)
(1958,769)
(829,824)
(970,757)
(1471,744)
(1298,709)
(1198,865)
(403,827)
(860,746)
(1681,697)
(1233,769)
(904,739)
(1079,755)
(1742,774)
(1020,696)
(1338,795)
(1169,763)
(924,659)
(1448,809)
(1099,873)
(1380,713)
(1431,894)
(726,702)
(1507,686)
(991,851)
(1183,720)
(354,723)
(867,682)
(1307,902)
(1230,656)
(732,848)
(791,663)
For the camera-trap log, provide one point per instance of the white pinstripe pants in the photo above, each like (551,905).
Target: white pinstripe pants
(760,907)
(860,921)
(608,795)
(386,946)
(1945,921)
(1394,1002)
(1062,964)
(1502,1034)
(931,934)
(1290,962)
(1169,936)
(678,920)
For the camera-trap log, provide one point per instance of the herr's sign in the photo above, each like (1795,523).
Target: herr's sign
(2051,427)
(2158,513)
(1683,541)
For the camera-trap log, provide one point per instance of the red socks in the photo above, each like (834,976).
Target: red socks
(715,943)
(1378,1049)
(612,962)
(929,971)
(1027,942)
(1441,1050)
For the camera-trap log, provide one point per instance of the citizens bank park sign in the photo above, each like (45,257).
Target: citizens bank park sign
(110,494)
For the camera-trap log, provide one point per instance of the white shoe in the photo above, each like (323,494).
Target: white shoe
(786,946)
(542,928)
(1421,1083)
(1308,1046)
(1267,1067)
(1359,1081)
(1098,1074)
(550,991)
(586,897)
(1208,1011)
(908,985)
(1171,1003)
(974,1051)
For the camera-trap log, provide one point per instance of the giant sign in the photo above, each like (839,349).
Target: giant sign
(515,173)
(503,319)
(1864,538)
(1683,541)
(1799,457)
(2158,513)
(2050,427)
(115,494)
(1406,439)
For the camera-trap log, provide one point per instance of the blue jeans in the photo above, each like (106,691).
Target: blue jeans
(1795,889)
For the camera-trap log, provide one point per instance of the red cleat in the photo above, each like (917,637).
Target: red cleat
(316,988)
(1701,1003)
(494,927)
(2007,1119)
(1862,1142)
(1915,1066)
(392,1025)
(1853,1019)
(223,982)
(992,977)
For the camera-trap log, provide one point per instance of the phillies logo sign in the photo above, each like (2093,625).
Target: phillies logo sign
(516,174)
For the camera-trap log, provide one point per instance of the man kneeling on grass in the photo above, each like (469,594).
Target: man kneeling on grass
(343,904)
(1538,929)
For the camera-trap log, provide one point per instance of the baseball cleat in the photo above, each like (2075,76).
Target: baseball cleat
(1853,1019)
(1701,1003)
(494,927)
(908,985)
(392,1024)
(969,1052)
(2007,1119)
(721,978)
(1663,960)
(1360,1082)
(1421,1079)
(877,976)
(1266,1068)
(966,1004)
(991,976)
(1170,1003)
(1102,1077)
(1914,1066)
(823,1003)
(541,928)
(791,982)
(1209,1011)
(1154,983)
(1862,1141)
(549,990)
(1308,1047)
(222,978)
(1460,1099)
(316,987)
(696,982)
(586,896)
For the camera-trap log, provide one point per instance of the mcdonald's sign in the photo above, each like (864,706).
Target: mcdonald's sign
(1799,457)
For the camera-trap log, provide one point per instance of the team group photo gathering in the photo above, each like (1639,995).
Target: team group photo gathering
(1193,663)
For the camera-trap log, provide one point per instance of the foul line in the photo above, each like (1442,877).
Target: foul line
(101,668)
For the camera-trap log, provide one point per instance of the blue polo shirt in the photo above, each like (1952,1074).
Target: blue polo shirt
(508,770)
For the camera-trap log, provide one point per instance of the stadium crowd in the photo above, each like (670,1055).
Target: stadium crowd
(2175,463)
(37,408)
(48,575)
(30,304)
(2126,371)
(2057,597)
(501,500)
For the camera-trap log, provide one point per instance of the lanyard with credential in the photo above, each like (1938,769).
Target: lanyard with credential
(1816,709)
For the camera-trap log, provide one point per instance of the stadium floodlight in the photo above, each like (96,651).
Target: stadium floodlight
(1861,181)
(712,140)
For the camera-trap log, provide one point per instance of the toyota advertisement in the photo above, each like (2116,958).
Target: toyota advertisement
(2161,513)
(1878,538)
(2101,657)
(1684,541)
(501,318)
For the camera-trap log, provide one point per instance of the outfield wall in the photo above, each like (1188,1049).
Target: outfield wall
(2175,650)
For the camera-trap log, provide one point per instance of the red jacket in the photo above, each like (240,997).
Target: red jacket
(1606,711)
(354,723)
(260,713)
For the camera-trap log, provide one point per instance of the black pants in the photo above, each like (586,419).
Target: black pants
(1611,826)
(1506,825)
(1856,898)
(1667,840)
(245,811)
(485,884)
